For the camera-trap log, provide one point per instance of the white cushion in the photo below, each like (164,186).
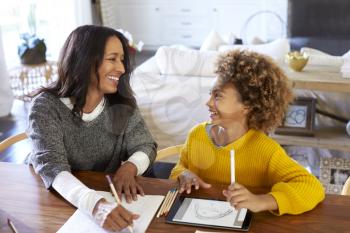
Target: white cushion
(276,49)
(179,46)
(174,61)
(149,66)
(320,58)
(229,38)
(257,40)
(312,51)
(212,41)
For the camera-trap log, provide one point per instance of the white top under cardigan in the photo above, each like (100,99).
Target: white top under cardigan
(72,189)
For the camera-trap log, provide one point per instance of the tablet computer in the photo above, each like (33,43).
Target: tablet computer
(208,213)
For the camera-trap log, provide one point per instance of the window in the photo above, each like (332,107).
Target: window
(51,20)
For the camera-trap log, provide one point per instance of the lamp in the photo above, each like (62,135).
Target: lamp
(269,35)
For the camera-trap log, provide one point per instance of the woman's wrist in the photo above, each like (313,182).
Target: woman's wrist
(130,168)
(97,206)
(102,209)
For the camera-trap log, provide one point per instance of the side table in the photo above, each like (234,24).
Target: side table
(25,79)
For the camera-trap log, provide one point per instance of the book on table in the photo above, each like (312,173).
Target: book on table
(146,206)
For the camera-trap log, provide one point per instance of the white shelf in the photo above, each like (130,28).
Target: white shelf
(318,78)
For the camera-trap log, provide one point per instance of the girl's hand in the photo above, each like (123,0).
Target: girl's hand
(125,180)
(187,179)
(113,217)
(240,197)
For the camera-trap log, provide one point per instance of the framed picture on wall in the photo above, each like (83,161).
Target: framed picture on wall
(333,173)
(300,118)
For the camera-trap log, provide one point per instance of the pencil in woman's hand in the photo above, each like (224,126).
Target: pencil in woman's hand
(114,192)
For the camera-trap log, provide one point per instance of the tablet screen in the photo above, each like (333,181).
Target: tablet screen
(209,212)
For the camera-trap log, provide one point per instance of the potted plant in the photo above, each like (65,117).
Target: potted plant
(32,50)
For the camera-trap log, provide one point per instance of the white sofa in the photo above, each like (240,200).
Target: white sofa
(172,89)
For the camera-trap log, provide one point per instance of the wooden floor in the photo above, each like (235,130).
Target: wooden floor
(17,122)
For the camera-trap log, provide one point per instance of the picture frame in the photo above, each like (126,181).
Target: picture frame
(333,174)
(300,118)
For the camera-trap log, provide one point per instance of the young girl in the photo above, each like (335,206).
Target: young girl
(248,100)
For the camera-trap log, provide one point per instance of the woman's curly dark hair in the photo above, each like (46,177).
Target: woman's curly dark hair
(263,87)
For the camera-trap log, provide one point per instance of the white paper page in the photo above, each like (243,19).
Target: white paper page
(145,206)
(210,212)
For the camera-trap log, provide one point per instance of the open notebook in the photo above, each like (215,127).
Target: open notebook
(145,206)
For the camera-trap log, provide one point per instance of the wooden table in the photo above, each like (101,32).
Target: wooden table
(318,78)
(24,199)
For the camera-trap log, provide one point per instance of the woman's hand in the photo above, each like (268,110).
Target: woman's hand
(187,179)
(125,180)
(240,197)
(113,217)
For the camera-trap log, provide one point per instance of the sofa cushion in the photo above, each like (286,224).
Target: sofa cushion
(212,41)
(174,61)
(320,58)
(276,49)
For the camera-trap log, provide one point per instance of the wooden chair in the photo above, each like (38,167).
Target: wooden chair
(169,151)
(12,140)
(346,188)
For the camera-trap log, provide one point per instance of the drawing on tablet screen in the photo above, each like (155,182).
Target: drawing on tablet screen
(211,211)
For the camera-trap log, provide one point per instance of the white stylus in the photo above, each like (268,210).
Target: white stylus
(232,158)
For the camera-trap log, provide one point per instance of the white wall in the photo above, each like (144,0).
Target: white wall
(6,97)
(161,22)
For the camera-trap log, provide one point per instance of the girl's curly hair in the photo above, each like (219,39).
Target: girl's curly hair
(263,87)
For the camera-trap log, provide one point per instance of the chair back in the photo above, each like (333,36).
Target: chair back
(12,140)
(169,151)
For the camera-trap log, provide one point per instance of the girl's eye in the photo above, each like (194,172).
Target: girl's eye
(214,94)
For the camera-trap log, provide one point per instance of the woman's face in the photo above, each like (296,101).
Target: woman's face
(112,67)
(225,106)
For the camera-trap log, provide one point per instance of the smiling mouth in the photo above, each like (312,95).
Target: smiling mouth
(114,79)
(213,114)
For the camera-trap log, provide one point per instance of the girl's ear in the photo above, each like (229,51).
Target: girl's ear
(246,110)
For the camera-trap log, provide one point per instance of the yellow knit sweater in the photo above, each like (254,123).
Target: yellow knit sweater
(259,162)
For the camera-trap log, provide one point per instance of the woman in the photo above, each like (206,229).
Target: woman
(88,120)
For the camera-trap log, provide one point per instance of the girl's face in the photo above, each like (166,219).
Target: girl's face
(225,106)
(112,67)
